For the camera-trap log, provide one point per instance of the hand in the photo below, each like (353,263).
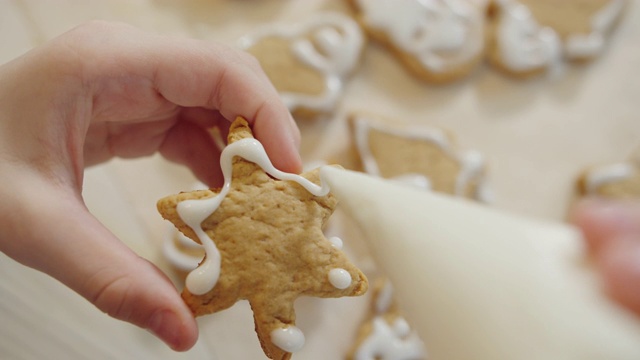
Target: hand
(105,90)
(612,231)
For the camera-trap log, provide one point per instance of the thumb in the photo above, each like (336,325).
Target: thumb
(61,238)
(612,230)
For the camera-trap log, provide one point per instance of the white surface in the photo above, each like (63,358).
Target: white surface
(536,135)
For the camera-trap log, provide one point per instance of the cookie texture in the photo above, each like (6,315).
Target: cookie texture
(309,62)
(439,41)
(271,247)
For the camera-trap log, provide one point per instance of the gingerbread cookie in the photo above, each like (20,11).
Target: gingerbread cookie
(616,181)
(263,241)
(426,157)
(529,37)
(438,40)
(308,62)
(519,44)
(386,334)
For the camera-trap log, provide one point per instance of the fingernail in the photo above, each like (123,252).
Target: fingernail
(166,326)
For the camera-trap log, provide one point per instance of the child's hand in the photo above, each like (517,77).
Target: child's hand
(105,90)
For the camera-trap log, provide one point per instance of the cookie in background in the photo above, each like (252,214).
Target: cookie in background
(439,41)
(308,62)
(532,37)
(423,156)
(386,334)
(620,180)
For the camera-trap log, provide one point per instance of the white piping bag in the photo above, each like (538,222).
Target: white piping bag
(480,284)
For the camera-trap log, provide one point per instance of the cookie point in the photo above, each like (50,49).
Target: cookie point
(239,130)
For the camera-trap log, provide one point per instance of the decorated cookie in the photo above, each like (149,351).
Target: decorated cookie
(616,181)
(425,157)
(529,37)
(519,44)
(309,62)
(386,334)
(438,40)
(262,233)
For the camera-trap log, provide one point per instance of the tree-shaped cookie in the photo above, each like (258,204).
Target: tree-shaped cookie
(264,242)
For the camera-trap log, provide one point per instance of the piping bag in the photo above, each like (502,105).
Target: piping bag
(480,284)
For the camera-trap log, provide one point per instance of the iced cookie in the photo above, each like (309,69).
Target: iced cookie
(529,37)
(519,44)
(616,181)
(425,157)
(309,62)
(438,40)
(262,233)
(386,334)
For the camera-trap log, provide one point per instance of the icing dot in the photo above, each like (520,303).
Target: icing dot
(340,278)
(336,242)
(289,339)
(401,328)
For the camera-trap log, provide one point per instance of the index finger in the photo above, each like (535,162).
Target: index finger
(193,73)
(233,83)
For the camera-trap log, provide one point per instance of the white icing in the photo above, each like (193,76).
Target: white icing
(384,299)
(484,192)
(441,34)
(173,253)
(391,342)
(340,278)
(472,162)
(607,175)
(582,46)
(289,339)
(178,258)
(194,212)
(334,50)
(186,242)
(523,44)
(336,242)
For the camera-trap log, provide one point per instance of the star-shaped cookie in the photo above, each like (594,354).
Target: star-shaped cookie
(270,246)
